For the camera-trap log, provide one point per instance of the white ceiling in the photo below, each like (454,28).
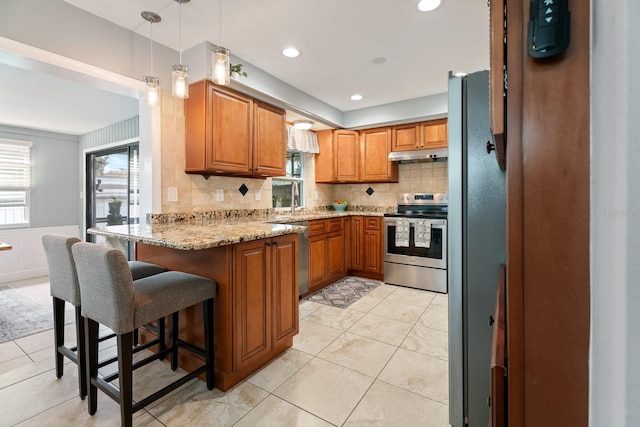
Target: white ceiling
(338,40)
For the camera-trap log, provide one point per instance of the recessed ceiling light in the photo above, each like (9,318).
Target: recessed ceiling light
(302,124)
(460,74)
(356,97)
(428,5)
(290,52)
(379,60)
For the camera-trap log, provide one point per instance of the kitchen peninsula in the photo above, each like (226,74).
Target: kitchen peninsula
(255,265)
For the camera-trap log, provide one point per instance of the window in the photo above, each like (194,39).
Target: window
(15,182)
(283,188)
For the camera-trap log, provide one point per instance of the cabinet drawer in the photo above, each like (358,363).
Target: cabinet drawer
(372,223)
(318,226)
(336,224)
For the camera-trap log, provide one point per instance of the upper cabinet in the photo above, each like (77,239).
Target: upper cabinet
(351,156)
(420,136)
(228,133)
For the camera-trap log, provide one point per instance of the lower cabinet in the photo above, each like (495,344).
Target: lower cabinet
(256,308)
(326,252)
(367,252)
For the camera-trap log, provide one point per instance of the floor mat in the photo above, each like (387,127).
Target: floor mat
(20,316)
(344,292)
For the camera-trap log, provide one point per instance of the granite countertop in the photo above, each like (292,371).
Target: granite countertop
(213,232)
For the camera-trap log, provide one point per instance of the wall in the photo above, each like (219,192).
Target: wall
(615,215)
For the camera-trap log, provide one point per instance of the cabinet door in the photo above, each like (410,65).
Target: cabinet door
(375,147)
(357,243)
(347,153)
(252,302)
(335,256)
(229,148)
(317,261)
(284,275)
(347,243)
(269,148)
(434,134)
(405,137)
(372,245)
(325,159)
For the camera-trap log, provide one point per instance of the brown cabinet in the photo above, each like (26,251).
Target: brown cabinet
(420,136)
(256,309)
(229,133)
(375,146)
(367,247)
(326,252)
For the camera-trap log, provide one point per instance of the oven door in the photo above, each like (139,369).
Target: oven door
(434,256)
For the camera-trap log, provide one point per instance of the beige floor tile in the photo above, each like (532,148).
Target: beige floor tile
(365,304)
(10,350)
(279,370)
(274,411)
(307,307)
(435,319)
(382,291)
(45,392)
(424,375)
(398,311)
(339,318)
(385,405)
(15,363)
(431,342)
(412,296)
(313,337)
(381,329)
(36,342)
(325,389)
(440,302)
(194,405)
(361,354)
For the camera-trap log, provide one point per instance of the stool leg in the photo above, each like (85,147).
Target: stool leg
(207,309)
(91,344)
(161,334)
(58,331)
(175,327)
(125,370)
(81,353)
(135,337)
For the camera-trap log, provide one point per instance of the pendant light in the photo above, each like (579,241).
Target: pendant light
(152,95)
(180,73)
(220,73)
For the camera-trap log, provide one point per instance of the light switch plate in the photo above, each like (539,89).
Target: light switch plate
(219,195)
(172,194)
(258,196)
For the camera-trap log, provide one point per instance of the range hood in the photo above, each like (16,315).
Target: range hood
(430,155)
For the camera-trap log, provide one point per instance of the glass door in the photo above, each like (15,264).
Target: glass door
(113,192)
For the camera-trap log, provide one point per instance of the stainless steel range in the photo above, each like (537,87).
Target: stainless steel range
(415,241)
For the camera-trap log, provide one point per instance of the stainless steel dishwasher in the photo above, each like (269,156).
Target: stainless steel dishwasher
(303,257)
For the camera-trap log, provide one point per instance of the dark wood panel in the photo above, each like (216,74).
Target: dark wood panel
(285,287)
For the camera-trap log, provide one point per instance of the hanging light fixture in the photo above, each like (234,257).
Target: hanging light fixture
(153,83)
(180,73)
(220,72)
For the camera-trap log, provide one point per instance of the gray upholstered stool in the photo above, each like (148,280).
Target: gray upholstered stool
(64,286)
(110,297)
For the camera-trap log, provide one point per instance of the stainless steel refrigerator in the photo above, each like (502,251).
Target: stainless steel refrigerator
(476,247)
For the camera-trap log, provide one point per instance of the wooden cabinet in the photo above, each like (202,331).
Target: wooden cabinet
(367,252)
(228,133)
(326,252)
(350,156)
(375,146)
(256,308)
(420,136)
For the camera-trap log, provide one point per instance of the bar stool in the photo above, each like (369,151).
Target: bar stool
(110,297)
(64,286)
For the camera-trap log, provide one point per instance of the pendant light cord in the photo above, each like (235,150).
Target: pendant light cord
(220,20)
(151,35)
(180,30)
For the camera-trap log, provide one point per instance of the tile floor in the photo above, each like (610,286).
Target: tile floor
(380,362)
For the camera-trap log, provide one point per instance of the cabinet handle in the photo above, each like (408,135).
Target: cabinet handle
(490,320)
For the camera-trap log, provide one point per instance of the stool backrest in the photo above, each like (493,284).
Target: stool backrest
(106,286)
(62,268)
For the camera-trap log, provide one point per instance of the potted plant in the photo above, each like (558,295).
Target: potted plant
(114,217)
(236,71)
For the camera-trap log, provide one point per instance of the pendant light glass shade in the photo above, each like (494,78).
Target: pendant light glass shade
(152,96)
(180,81)
(220,72)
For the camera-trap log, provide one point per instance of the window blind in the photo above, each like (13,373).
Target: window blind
(15,165)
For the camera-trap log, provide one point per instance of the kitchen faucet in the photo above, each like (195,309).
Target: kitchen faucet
(294,192)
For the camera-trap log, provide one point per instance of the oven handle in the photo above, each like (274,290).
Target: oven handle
(412,221)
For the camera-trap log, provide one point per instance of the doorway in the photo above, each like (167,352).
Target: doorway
(113,192)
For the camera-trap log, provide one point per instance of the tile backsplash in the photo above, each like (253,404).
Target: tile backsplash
(196,193)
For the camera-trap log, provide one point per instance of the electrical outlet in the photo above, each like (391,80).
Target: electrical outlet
(258,196)
(219,195)
(172,194)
